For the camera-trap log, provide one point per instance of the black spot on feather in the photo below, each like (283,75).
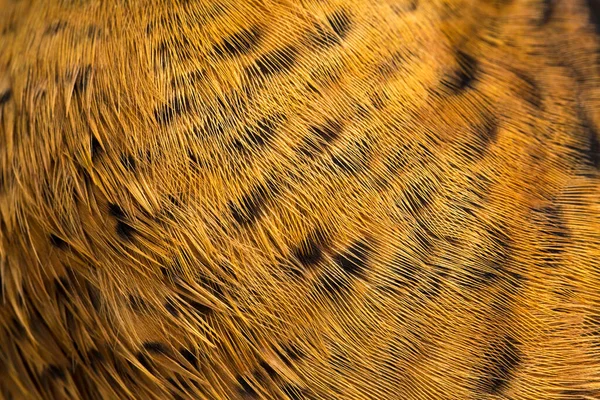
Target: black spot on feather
(354,260)
(548,7)
(274,62)
(310,251)
(189,357)
(324,38)
(594,7)
(265,366)
(58,242)
(5,96)
(529,90)
(257,136)
(328,131)
(144,360)
(245,387)
(137,304)
(252,204)
(340,22)
(94,295)
(55,27)
(96,149)
(290,353)
(155,348)
(166,113)
(487,132)
(62,287)
(125,231)
(82,79)
(128,161)
(171,308)
(501,362)
(464,75)
(199,308)
(116,211)
(239,43)
(55,372)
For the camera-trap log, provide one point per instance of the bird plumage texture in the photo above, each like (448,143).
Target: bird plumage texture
(300,199)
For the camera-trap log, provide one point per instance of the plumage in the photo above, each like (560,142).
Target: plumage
(299,199)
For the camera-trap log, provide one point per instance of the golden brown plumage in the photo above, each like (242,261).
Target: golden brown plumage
(300,199)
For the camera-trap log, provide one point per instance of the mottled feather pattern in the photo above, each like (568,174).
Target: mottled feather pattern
(300,199)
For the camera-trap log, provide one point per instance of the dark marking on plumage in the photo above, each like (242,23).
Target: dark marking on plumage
(144,360)
(320,136)
(271,373)
(252,203)
(416,196)
(18,329)
(310,251)
(164,54)
(5,96)
(328,131)
(464,75)
(95,149)
(189,357)
(501,362)
(431,287)
(410,6)
(353,261)
(340,361)
(128,162)
(341,22)
(115,211)
(594,7)
(195,162)
(548,7)
(324,37)
(55,372)
(529,90)
(199,307)
(93,31)
(55,27)
(245,387)
(171,308)
(343,163)
(391,66)
(125,231)
(62,287)
(290,353)
(156,348)
(165,113)
(239,43)
(274,62)
(82,79)
(95,358)
(58,242)
(501,243)
(214,287)
(333,282)
(487,131)
(424,240)
(554,229)
(94,295)
(554,223)
(137,304)
(260,134)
